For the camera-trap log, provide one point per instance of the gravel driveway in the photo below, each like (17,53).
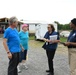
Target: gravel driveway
(37,60)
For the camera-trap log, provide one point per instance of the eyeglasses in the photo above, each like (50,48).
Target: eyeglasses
(48,27)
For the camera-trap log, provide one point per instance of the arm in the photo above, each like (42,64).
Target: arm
(22,48)
(46,40)
(45,37)
(6,48)
(70,43)
(5,45)
(55,41)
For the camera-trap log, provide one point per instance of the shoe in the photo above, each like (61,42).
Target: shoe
(47,70)
(50,74)
(25,67)
(19,70)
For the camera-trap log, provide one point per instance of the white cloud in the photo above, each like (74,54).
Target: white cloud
(47,10)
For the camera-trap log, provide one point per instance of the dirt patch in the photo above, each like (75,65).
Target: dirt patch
(62,49)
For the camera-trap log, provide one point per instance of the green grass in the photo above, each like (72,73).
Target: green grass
(32,38)
(63,39)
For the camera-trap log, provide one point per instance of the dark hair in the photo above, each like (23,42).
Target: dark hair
(74,21)
(52,26)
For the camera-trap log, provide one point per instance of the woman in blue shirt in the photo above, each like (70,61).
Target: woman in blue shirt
(50,47)
(24,38)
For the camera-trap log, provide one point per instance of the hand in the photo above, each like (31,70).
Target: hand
(22,49)
(67,43)
(9,55)
(55,41)
(49,41)
(46,40)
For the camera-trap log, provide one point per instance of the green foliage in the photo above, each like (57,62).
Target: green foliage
(63,26)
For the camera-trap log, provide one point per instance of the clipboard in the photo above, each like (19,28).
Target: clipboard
(53,37)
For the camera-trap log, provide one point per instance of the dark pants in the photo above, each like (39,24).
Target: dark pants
(12,68)
(50,56)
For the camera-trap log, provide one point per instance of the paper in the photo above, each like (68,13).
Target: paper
(53,37)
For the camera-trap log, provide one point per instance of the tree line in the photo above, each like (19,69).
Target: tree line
(63,26)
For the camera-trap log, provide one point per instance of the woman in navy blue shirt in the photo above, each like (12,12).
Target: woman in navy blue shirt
(50,47)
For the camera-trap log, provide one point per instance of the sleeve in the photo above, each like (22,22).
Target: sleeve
(46,35)
(6,34)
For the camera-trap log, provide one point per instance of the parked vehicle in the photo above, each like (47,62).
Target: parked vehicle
(41,29)
(64,33)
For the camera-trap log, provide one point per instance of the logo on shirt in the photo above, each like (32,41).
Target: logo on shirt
(74,34)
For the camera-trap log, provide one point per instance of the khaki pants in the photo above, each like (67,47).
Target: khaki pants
(72,60)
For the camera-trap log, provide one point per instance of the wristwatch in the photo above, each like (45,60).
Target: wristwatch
(8,52)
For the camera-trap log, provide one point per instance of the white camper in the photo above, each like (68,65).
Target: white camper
(41,29)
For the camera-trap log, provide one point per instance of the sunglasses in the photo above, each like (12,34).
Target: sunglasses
(48,27)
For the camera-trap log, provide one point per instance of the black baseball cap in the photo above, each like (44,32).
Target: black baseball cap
(73,21)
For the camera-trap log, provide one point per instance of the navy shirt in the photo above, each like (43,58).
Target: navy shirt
(51,46)
(72,38)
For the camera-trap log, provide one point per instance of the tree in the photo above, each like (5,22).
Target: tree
(62,26)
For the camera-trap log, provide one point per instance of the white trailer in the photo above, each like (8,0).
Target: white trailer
(41,29)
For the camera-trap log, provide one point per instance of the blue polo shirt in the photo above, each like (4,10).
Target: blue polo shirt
(13,40)
(52,46)
(72,38)
(24,38)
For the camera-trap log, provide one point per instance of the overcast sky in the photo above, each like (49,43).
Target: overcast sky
(39,10)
